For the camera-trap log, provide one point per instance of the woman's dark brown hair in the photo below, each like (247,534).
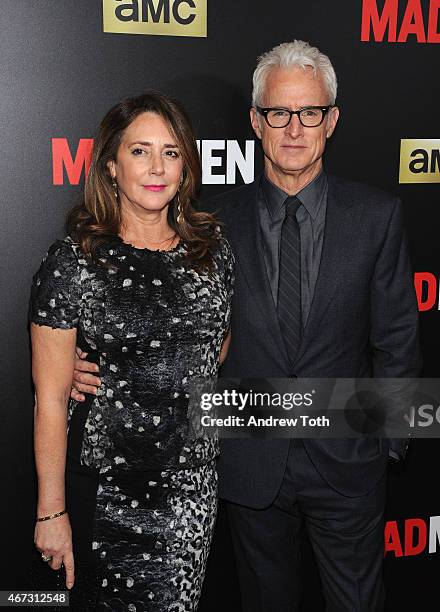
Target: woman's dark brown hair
(98,217)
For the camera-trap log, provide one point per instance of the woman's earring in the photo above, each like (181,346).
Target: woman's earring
(115,187)
(179,211)
(179,217)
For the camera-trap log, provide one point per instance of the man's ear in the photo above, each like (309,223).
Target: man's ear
(255,121)
(332,121)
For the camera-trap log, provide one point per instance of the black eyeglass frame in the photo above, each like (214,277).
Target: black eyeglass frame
(323,109)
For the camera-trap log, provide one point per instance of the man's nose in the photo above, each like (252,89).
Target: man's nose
(295,127)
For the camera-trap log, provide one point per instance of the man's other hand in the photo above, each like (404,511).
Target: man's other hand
(83,379)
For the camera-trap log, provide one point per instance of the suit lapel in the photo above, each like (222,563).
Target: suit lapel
(338,249)
(244,232)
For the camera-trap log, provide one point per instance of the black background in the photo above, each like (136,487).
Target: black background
(59,74)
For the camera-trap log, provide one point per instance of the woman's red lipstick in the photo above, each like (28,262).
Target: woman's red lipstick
(154,187)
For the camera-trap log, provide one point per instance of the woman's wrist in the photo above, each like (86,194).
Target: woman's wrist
(49,517)
(50,505)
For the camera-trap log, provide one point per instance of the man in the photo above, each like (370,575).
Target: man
(323,289)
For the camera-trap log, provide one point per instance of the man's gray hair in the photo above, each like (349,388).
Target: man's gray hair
(289,55)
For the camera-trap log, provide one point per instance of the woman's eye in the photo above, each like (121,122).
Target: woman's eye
(137,152)
(172,153)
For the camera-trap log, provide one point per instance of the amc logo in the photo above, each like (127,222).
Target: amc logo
(419,161)
(161,17)
(379,24)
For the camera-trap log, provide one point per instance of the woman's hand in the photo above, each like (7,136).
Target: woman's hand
(53,538)
(83,381)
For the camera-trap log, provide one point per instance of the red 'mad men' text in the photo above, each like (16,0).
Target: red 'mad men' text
(383,24)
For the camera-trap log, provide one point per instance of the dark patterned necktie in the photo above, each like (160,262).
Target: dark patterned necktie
(289,284)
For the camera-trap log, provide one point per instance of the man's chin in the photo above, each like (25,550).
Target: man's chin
(294,161)
(293,168)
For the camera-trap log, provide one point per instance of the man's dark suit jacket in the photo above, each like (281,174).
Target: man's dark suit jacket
(363,322)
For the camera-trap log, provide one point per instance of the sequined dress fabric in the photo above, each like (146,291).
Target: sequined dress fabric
(153,324)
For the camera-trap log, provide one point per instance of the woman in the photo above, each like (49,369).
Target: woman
(143,284)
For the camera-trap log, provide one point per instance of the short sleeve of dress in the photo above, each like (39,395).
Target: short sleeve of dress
(56,288)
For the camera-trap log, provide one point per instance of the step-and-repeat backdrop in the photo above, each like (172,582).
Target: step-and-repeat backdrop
(64,63)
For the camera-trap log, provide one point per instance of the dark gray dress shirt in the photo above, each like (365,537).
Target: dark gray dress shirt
(311,220)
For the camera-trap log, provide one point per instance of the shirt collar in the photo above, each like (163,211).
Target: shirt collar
(310,196)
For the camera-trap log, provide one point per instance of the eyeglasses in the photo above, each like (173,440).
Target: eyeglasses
(309,116)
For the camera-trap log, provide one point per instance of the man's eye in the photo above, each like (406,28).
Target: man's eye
(279,113)
(310,112)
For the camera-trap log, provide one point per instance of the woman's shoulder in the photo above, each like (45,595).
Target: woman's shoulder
(63,259)
(65,247)
(65,250)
